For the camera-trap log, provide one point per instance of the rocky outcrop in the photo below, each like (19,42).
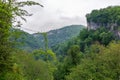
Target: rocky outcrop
(114,27)
(107,17)
(92,25)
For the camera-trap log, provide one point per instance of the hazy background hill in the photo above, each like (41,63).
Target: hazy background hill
(60,35)
(30,42)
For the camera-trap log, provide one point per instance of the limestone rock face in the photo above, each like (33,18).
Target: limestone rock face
(107,17)
(114,27)
(92,25)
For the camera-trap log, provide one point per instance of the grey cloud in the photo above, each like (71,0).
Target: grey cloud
(59,13)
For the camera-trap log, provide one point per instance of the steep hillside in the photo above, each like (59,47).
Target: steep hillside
(108,17)
(30,42)
(60,35)
(24,41)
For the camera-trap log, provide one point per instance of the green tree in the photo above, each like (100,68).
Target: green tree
(33,69)
(9,10)
(71,60)
(105,38)
(74,54)
(100,63)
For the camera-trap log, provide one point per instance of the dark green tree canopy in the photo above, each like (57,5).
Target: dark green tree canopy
(104,16)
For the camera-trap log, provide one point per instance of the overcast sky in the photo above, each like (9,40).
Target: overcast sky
(59,13)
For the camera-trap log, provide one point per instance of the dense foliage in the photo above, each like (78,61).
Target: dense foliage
(83,48)
(5,24)
(9,9)
(24,40)
(102,65)
(108,17)
(96,52)
(60,35)
(92,55)
(104,16)
(85,39)
(30,42)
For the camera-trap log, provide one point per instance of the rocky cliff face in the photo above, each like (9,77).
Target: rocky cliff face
(107,17)
(94,25)
(114,27)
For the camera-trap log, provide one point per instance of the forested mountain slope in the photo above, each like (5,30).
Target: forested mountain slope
(107,17)
(103,26)
(24,40)
(30,42)
(93,54)
(60,35)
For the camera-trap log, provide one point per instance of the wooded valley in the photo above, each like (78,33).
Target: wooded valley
(74,52)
